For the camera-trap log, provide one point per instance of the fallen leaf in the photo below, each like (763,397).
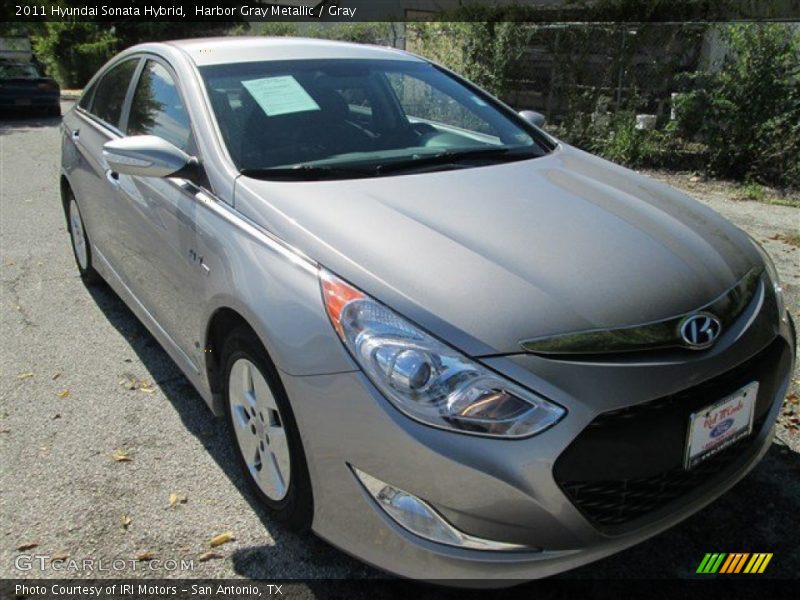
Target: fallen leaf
(56,416)
(222,538)
(132,383)
(147,555)
(56,376)
(63,394)
(61,556)
(175,499)
(206,556)
(28,546)
(121,455)
(25,375)
(125,520)
(5,430)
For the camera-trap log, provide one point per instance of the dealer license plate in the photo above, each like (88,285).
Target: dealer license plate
(716,427)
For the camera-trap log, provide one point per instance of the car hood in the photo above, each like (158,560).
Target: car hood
(487,256)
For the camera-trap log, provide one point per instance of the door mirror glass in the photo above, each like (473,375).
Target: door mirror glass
(533,117)
(146,156)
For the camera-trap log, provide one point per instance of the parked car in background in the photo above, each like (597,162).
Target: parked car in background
(447,342)
(23,86)
(24,89)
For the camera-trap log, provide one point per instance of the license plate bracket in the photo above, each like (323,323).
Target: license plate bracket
(718,425)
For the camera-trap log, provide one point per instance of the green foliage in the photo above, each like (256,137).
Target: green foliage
(485,52)
(753,191)
(751,108)
(73,51)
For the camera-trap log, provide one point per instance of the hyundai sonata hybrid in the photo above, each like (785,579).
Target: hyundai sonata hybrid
(445,341)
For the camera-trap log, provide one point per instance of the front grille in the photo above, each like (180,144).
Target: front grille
(629,463)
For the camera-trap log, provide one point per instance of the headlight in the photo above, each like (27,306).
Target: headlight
(772,273)
(426,379)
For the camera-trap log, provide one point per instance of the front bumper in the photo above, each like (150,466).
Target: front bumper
(505,490)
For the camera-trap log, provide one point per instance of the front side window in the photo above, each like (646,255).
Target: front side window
(357,116)
(157,108)
(110,91)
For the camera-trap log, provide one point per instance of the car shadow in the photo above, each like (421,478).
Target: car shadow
(291,555)
(10,122)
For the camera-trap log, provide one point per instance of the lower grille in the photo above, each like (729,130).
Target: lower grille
(613,503)
(629,463)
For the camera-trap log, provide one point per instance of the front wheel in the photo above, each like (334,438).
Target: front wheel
(264,431)
(81,248)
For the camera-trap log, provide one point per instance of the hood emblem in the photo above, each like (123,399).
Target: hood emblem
(700,330)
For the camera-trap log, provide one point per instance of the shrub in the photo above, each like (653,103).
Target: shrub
(73,51)
(752,106)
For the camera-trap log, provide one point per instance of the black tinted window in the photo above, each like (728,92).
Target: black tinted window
(157,108)
(111,90)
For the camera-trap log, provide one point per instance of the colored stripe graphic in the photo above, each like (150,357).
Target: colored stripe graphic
(711,563)
(735,562)
(758,563)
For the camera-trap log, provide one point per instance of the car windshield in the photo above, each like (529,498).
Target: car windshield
(351,118)
(18,70)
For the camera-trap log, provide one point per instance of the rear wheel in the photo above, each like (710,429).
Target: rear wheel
(80,243)
(264,431)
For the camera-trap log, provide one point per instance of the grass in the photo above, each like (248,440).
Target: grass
(756,192)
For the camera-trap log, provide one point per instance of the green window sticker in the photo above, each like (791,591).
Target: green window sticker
(280,95)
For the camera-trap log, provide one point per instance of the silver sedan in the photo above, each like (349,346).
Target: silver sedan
(445,341)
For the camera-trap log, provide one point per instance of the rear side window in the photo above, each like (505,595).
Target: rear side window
(157,108)
(110,92)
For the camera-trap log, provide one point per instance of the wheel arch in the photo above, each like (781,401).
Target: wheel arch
(222,321)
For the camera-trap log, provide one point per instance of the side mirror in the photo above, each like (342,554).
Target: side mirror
(147,156)
(533,117)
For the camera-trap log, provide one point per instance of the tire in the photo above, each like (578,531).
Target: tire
(81,247)
(264,432)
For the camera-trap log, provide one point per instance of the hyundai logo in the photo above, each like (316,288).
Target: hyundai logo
(699,331)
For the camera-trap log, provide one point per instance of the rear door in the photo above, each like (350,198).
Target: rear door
(96,120)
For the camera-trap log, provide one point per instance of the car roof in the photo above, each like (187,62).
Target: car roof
(222,50)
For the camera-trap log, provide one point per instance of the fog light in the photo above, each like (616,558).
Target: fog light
(418,517)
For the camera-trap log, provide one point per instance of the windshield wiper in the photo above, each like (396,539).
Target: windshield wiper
(447,157)
(308,172)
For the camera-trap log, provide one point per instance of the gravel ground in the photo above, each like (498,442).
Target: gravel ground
(70,356)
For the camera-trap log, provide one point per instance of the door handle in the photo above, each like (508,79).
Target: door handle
(113,177)
(76,134)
